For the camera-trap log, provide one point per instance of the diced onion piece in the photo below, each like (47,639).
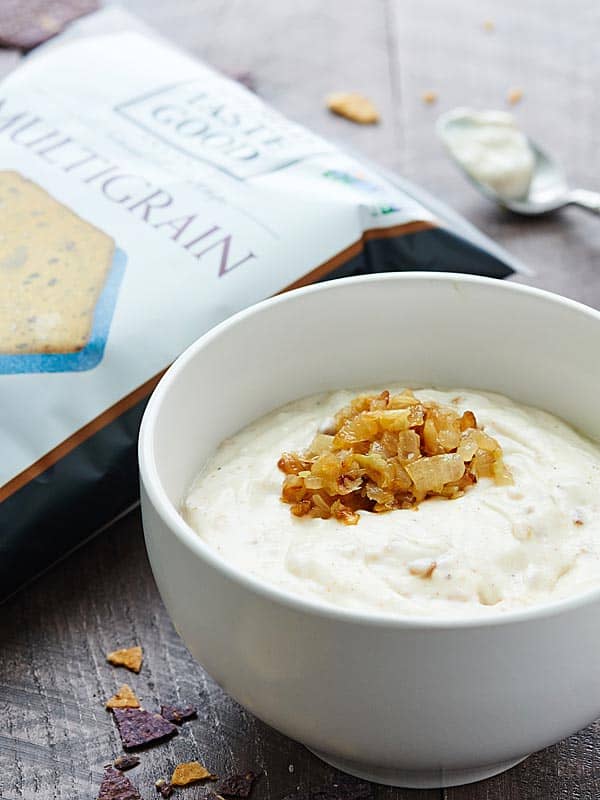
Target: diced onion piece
(431,446)
(487,442)
(502,474)
(376,468)
(344,514)
(313,483)
(401,419)
(429,474)
(467,421)
(482,464)
(403,400)
(388,444)
(321,505)
(385,452)
(361,428)
(409,445)
(320,444)
(291,463)
(468,445)
(401,479)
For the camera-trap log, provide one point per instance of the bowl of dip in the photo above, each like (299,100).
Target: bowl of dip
(342,636)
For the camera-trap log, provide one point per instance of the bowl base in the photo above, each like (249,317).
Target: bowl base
(417,779)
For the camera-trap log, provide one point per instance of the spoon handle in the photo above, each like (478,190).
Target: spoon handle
(585,199)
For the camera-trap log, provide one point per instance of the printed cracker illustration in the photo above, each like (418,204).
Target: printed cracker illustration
(53,266)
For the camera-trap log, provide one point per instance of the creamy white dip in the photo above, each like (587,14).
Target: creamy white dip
(491,148)
(495,548)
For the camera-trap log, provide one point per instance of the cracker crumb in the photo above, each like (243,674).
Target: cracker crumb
(164,788)
(353,106)
(178,714)
(429,97)
(124,698)
(125,762)
(514,96)
(189,772)
(129,657)
(489,26)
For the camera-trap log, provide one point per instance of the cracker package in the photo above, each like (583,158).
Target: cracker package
(144,198)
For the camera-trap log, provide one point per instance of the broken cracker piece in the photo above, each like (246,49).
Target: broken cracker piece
(178,714)
(429,97)
(164,788)
(126,762)
(116,786)
(124,698)
(138,727)
(129,657)
(189,772)
(238,785)
(353,106)
(514,96)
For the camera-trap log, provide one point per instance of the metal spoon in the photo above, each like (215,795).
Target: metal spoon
(548,190)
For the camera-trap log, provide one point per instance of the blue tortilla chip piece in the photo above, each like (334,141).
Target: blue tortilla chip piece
(138,727)
(125,762)
(116,786)
(178,714)
(238,785)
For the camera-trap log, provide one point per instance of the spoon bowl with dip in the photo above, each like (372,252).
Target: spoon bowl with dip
(506,165)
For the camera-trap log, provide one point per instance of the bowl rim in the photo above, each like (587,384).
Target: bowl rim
(178,527)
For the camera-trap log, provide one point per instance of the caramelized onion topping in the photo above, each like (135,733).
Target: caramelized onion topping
(385,452)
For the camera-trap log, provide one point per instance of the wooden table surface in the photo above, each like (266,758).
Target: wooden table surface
(55,734)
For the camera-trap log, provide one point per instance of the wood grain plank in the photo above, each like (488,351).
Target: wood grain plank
(568,771)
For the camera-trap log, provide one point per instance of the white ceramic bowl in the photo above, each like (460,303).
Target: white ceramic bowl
(411,702)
